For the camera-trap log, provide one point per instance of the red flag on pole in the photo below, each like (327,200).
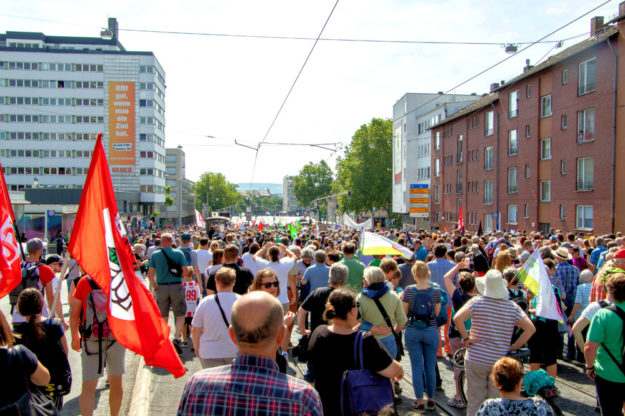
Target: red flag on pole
(100,245)
(261,226)
(10,269)
(460,220)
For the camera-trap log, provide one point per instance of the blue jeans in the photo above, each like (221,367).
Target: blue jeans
(422,345)
(390,344)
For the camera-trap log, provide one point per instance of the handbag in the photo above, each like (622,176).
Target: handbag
(400,345)
(174,268)
(362,390)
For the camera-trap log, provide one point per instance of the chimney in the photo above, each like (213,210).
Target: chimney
(113,27)
(527,66)
(502,82)
(596,25)
(494,86)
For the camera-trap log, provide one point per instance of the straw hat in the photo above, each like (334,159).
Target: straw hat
(563,253)
(492,285)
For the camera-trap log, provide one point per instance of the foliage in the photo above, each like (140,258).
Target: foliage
(169,201)
(313,181)
(366,169)
(216,190)
(259,206)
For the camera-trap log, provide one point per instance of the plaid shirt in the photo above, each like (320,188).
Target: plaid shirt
(568,275)
(252,385)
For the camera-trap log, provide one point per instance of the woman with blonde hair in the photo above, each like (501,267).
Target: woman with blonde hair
(422,304)
(503,261)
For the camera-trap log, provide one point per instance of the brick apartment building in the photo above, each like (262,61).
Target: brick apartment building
(544,150)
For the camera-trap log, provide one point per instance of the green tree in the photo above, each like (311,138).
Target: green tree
(213,189)
(365,171)
(169,201)
(312,182)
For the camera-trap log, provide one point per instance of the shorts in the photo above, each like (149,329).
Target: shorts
(544,343)
(187,320)
(113,356)
(171,296)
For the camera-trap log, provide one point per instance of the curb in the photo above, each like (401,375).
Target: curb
(140,402)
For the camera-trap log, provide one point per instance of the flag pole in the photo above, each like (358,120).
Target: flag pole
(19,239)
(57,292)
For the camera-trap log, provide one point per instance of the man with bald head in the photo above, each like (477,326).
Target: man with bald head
(252,384)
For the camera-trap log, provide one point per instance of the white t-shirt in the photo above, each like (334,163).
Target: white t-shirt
(250,263)
(592,309)
(215,340)
(282,269)
(192,295)
(204,257)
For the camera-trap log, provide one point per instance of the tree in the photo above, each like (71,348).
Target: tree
(312,182)
(366,169)
(169,201)
(213,189)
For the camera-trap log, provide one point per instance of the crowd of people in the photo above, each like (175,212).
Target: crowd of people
(236,296)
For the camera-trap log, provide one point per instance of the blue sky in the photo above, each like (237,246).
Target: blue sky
(231,88)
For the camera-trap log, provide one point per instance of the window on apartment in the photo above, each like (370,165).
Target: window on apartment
(513,104)
(513,183)
(527,131)
(488,158)
(584,217)
(459,182)
(527,171)
(513,142)
(488,192)
(587,75)
(563,122)
(527,211)
(562,212)
(545,106)
(565,76)
(545,149)
(488,223)
(563,167)
(459,149)
(585,174)
(586,125)
(513,214)
(489,123)
(436,194)
(545,191)
(528,91)
(437,168)
(437,140)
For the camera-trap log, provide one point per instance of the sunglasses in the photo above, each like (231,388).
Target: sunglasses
(269,284)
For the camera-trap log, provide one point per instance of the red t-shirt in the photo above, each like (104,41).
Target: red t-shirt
(45,273)
(83,288)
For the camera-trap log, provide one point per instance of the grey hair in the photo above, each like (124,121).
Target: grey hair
(308,253)
(338,274)
(374,275)
(34,245)
(320,257)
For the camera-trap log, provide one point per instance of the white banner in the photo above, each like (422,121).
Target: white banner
(353,224)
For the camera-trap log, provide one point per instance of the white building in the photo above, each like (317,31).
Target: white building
(57,93)
(413,115)
(289,202)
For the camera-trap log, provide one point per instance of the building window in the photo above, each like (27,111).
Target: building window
(437,140)
(527,131)
(563,167)
(565,76)
(488,158)
(527,211)
(528,91)
(488,223)
(587,75)
(513,104)
(545,106)
(489,123)
(586,125)
(545,149)
(545,191)
(436,194)
(527,171)
(437,168)
(563,122)
(513,185)
(488,192)
(459,149)
(513,142)
(583,217)
(513,214)
(562,212)
(585,174)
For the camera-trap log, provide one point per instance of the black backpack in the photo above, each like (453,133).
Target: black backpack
(30,278)
(517,296)
(173,267)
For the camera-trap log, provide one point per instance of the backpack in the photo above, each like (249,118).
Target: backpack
(516,296)
(187,254)
(364,391)
(173,267)
(491,251)
(621,315)
(441,319)
(423,307)
(94,324)
(30,278)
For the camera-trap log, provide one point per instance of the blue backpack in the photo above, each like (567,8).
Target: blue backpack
(187,254)
(423,307)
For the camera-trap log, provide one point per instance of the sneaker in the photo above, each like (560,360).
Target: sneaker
(177,346)
(185,344)
(457,403)
(430,405)
(417,407)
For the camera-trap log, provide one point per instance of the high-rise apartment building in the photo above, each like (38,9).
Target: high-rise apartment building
(180,190)
(57,93)
(289,202)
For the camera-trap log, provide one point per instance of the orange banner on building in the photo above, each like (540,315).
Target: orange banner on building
(121,124)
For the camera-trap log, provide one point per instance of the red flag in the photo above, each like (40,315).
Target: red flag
(460,220)
(100,245)
(261,226)
(10,269)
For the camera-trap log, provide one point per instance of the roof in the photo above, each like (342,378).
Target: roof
(565,54)
(75,40)
(478,105)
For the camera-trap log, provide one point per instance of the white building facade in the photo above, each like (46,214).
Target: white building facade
(57,93)
(413,115)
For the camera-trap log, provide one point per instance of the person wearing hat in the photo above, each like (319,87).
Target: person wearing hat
(186,247)
(493,318)
(568,275)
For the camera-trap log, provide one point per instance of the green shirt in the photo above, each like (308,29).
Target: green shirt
(376,262)
(354,277)
(607,328)
(159,263)
(392,305)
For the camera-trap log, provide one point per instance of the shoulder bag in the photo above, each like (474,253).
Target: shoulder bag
(400,346)
(223,315)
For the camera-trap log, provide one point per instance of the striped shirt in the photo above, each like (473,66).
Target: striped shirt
(492,323)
